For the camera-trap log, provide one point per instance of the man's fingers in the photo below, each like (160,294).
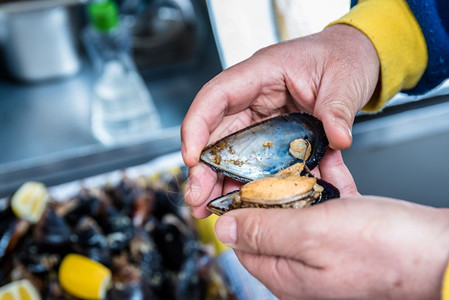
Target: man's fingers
(334,170)
(337,120)
(293,233)
(200,184)
(336,106)
(223,186)
(228,93)
(272,271)
(231,124)
(200,211)
(194,137)
(230,185)
(348,81)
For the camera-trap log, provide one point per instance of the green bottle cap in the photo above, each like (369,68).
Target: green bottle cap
(103,15)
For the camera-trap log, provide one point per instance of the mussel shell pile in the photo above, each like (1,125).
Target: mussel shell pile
(136,228)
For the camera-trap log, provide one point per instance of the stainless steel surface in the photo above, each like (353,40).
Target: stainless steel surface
(45,131)
(21,6)
(38,44)
(404,154)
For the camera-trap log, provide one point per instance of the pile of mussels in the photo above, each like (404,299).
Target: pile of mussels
(135,228)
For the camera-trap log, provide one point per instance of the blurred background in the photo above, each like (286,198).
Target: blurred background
(49,79)
(52,68)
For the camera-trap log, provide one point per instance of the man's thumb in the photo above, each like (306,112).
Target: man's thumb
(337,110)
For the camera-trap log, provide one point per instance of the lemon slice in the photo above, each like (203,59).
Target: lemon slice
(29,201)
(19,290)
(174,171)
(83,277)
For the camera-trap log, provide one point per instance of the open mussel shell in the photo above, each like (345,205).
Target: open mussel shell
(222,204)
(263,148)
(225,203)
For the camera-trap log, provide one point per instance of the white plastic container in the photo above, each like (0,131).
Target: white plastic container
(37,39)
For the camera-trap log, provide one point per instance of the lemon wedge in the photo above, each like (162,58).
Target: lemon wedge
(83,277)
(19,290)
(29,201)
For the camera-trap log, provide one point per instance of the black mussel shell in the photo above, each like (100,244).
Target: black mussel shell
(89,240)
(117,227)
(85,205)
(263,148)
(222,204)
(330,191)
(132,291)
(39,258)
(52,229)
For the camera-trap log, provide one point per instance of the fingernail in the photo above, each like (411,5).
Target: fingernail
(345,128)
(183,150)
(226,230)
(188,155)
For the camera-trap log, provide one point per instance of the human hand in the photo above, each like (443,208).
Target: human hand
(331,75)
(350,248)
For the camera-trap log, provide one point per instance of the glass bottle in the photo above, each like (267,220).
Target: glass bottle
(122,109)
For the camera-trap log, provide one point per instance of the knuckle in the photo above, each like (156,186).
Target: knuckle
(342,109)
(267,50)
(215,87)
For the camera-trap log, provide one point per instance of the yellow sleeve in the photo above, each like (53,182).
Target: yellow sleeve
(399,41)
(445,287)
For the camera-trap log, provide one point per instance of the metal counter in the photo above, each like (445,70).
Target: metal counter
(403,152)
(45,131)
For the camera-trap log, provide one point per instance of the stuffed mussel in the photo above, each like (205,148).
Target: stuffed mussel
(274,159)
